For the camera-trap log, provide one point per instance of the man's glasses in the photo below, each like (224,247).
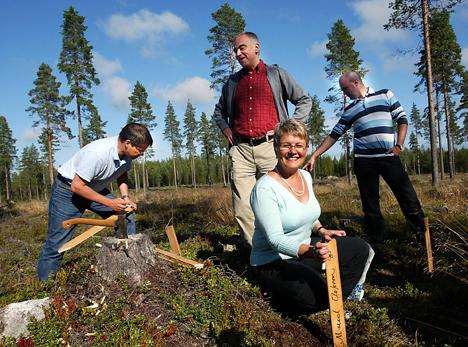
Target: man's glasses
(288,146)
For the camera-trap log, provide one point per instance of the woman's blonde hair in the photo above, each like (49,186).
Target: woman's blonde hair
(293,127)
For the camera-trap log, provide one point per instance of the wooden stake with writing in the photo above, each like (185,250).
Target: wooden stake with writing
(335,296)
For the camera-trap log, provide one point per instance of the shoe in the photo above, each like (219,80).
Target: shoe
(357,293)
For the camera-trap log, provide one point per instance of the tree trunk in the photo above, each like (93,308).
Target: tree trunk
(221,155)
(348,150)
(441,151)
(174,170)
(430,92)
(194,177)
(449,134)
(143,173)
(7,183)
(208,168)
(49,156)
(135,175)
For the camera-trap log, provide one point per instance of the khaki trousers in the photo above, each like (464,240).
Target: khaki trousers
(248,163)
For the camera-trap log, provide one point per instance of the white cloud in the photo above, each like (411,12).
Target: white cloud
(145,26)
(105,67)
(196,89)
(394,62)
(30,134)
(318,48)
(118,90)
(374,14)
(465,57)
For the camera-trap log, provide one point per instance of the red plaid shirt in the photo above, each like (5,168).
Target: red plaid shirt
(254,104)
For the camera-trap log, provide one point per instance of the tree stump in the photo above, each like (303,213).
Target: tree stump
(130,258)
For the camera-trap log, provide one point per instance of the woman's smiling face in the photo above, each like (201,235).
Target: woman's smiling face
(291,151)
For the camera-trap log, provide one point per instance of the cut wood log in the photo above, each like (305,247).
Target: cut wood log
(174,258)
(171,235)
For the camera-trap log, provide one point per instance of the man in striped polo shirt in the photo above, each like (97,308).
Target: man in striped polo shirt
(376,153)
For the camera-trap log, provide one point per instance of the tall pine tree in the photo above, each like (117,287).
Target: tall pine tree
(76,61)
(229,24)
(414,15)
(141,112)
(341,57)
(415,118)
(446,68)
(206,138)
(95,128)
(190,135)
(172,134)
(7,153)
(316,128)
(48,105)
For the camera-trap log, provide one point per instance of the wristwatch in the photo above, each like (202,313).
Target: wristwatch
(399,146)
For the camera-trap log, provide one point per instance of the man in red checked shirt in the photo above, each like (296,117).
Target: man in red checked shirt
(252,102)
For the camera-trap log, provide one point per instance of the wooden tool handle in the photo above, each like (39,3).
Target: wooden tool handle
(108,222)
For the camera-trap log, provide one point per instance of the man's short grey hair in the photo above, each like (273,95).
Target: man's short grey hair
(250,35)
(352,76)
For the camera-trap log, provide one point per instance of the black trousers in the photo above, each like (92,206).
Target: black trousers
(368,172)
(298,286)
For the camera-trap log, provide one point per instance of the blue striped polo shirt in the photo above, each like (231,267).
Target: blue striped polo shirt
(372,120)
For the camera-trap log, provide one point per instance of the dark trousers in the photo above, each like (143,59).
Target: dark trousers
(297,286)
(368,172)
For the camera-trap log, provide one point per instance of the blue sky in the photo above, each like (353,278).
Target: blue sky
(162,44)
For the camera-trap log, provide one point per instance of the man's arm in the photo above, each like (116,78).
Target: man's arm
(122,181)
(296,95)
(324,146)
(80,187)
(220,116)
(401,136)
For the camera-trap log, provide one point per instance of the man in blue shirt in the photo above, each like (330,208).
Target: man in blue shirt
(376,153)
(82,184)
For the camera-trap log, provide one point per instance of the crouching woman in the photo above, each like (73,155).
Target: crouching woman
(289,243)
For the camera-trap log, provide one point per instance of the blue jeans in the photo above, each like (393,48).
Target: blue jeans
(63,205)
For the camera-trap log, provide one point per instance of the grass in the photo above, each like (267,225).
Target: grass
(220,305)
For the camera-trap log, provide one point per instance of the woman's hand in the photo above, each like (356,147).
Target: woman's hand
(330,233)
(318,251)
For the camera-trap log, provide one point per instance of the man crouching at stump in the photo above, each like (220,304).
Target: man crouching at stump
(82,184)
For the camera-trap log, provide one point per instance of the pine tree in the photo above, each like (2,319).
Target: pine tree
(95,128)
(316,127)
(190,135)
(229,24)
(446,67)
(76,61)
(141,112)
(221,143)
(414,15)
(342,57)
(414,146)
(48,105)
(415,118)
(172,134)
(7,153)
(30,169)
(206,138)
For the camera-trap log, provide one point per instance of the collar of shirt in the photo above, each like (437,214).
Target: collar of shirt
(370,90)
(260,68)
(116,154)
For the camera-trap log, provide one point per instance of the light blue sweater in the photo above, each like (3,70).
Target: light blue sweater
(282,223)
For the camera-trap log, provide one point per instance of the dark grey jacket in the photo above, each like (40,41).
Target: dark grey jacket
(283,87)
